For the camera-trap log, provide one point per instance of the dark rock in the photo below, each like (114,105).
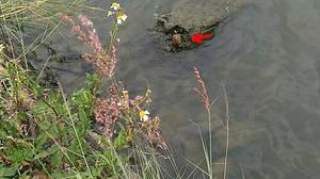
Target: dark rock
(190,16)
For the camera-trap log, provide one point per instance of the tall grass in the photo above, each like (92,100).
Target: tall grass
(20,17)
(201,90)
(37,10)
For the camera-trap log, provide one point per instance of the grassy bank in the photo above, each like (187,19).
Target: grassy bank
(43,132)
(94,132)
(87,134)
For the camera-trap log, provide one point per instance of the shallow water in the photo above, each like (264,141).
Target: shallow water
(268,59)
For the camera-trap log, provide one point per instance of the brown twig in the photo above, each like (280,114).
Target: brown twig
(227,132)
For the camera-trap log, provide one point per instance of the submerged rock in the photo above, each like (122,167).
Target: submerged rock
(194,16)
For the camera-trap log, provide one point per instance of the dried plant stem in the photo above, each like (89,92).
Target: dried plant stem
(227,132)
(210,143)
(202,91)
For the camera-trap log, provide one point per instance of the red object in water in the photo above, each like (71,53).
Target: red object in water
(198,38)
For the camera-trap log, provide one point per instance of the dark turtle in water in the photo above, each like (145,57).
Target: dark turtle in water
(189,17)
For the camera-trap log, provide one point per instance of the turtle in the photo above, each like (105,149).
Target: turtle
(193,16)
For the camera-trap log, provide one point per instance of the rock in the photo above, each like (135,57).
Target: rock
(195,14)
(190,16)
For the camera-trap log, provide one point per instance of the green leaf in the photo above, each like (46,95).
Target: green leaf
(121,140)
(8,171)
(46,153)
(41,140)
(56,158)
(83,99)
(19,154)
(84,123)
(92,80)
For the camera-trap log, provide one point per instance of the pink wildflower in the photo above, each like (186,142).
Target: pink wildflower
(85,21)
(107,113)
(104,61)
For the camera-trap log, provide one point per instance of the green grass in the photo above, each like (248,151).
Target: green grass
(43,131)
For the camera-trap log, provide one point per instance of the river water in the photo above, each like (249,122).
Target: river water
(266,57)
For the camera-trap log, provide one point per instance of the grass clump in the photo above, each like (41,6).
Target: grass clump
(43,132)
(87,134)
(37,10)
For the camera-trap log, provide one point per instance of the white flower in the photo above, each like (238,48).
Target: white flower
(119,21)
(115,6)
(121,18)
(144,115)
(1,47)
(110,13)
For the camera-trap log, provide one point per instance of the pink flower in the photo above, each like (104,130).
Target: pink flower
(105,62)
(107,113)
(85,21)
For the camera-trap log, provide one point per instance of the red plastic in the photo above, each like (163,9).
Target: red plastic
(198,38)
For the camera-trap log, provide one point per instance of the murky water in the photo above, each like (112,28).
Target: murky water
(268,59)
